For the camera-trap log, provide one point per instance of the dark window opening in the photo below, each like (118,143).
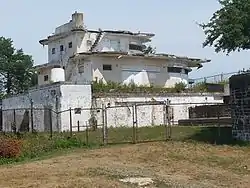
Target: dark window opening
(78,111)
(174,69)
(135,47)
(107,67)
(186,71)
(61,48)
(46,78)
(70,44)
(53,92)
(53,50)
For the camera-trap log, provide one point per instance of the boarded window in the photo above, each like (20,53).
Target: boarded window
(107,67)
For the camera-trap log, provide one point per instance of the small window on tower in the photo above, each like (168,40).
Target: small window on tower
(46,78)
(53,50)
(61,48)
(70,44)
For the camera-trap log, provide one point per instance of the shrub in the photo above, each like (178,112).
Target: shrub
(179,87)
(10,147)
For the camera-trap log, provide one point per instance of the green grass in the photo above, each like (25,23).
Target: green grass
(41,144)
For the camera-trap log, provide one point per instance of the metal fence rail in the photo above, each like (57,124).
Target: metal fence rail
(128,122)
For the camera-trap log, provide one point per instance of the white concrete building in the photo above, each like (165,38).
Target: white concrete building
(76,57)
(59,97)
(79,55)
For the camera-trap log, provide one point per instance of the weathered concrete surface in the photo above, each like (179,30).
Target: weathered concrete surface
(59,97)
(121,113)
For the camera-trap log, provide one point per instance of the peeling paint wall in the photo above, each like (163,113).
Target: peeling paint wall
(148,115)
(57,96)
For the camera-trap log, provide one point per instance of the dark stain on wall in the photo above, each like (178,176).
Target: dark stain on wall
(208,111)
(24,126)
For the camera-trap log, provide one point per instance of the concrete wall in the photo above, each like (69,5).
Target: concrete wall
(75,96)
(42,98)
(139,70)
(117,42)
(58,96)
(151,114)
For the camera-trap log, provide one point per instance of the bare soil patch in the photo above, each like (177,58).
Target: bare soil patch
(170,164)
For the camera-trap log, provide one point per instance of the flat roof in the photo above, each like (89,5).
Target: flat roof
(192,62)
(118,32)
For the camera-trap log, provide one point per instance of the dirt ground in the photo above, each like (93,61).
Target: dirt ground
(173,164)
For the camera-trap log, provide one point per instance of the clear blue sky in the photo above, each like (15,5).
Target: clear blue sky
(173,22)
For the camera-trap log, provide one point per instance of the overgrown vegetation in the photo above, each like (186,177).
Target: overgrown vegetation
(113,87)
(228,28)
(16,69)
(27,146)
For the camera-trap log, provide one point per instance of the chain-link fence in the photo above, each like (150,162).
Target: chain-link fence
(125,122)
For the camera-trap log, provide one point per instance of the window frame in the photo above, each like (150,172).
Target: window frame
(107,69)
(46,78)
(53,51)
(70,44)
(174,69)
(61,48)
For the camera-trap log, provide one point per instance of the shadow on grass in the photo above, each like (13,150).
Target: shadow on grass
(216,135)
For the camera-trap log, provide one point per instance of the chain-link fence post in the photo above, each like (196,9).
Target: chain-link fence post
(104,125)
(31,115)
(87,133)
(50,122)
(70,122)
(218,122)
(14,121)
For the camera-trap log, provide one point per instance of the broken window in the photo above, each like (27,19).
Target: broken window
(78,111)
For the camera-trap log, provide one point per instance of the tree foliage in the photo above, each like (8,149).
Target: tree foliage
(228,29)
(16,69)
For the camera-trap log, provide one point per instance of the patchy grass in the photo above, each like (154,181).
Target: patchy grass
(35,146)
(169,164)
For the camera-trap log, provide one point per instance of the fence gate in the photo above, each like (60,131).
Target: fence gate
(153,121)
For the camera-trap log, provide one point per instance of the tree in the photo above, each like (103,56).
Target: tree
(228,29)
(16,68)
